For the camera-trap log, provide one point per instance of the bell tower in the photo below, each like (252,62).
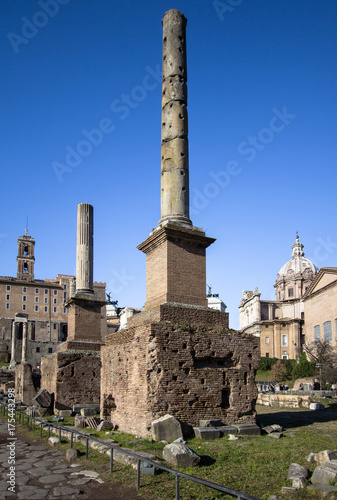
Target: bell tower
(25,259)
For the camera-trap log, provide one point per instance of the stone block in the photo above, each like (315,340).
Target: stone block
(227,429)
(166,428)
(63,413)
(300,483)
(88,412)
(105,426)
(215,422)
(53,441)
(296,471)
(325,456)
(80,421)
(248,429)
(316,406)
(325,474)
(180,455)
(43,399)
(206,432)
(77,407)
(71,454)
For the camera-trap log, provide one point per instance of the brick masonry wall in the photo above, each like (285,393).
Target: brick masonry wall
(178,314)
(73,376)
(191,372)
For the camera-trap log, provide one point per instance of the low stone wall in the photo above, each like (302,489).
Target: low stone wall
(284,400)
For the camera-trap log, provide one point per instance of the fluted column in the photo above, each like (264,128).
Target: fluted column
(84,248)
(174,131)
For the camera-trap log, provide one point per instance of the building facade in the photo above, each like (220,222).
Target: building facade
(320,307)
(33,316)
(280,324)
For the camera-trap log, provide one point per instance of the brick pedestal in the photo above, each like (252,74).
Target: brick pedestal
(176,265)
(84,318)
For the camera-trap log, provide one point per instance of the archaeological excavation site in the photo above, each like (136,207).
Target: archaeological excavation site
(177,357)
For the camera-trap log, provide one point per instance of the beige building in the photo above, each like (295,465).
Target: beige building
(34,309)
(320,307)
(280,323)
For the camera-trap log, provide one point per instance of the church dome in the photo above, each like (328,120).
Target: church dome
(295,275)
(298,263)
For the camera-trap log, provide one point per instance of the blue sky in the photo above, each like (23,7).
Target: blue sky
(80,122)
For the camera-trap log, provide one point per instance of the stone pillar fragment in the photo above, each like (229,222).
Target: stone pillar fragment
(174,136)
(14,334)
(24,343)
(84,248)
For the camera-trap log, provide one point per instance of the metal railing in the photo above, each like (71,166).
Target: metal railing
(31,424)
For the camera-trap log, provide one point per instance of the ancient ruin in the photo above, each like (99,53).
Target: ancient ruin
(178,356)
(73,372)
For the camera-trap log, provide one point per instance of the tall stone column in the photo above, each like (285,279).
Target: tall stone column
(84,248)
(24,343)
(174,129)
(14,333)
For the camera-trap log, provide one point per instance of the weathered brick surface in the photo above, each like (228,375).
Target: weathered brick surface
(191,372)
(73,377)
(175,265)
(84,320)
(178,314)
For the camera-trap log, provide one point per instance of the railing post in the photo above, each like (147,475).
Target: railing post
(177,487)
(111,460)
(41,430)
(86,448)
(71,438)
(138,474)
(60,434)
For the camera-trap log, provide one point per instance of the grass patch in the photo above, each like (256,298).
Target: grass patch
(257,466)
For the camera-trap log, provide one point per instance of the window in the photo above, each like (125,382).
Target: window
(55,301)
(25,250)
(45,309)
(46,300)
(55,309)
(290,292)
(64,310)
(267,340)
(55,326)
(317,333)
(64,295)
(284,355)
(267,354)
(36,299)
(45,291)
(55,292)
(24,298)
(24,289)
(327,331)
(37,349)
(50,350)
(8,288)
(36,308)
(284,340)
(24,307)
(25,267)
(37,290)
(65,287)
(7,305)
(8,297)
